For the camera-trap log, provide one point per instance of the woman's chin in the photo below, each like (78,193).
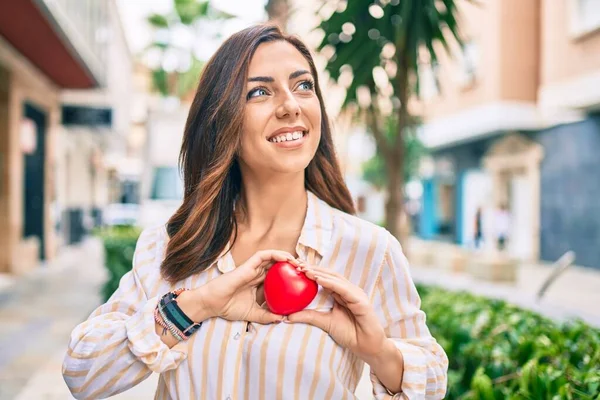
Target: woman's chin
(290,168)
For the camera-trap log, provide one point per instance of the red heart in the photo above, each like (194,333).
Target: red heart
(288,290)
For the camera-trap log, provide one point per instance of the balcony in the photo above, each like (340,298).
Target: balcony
(65,39)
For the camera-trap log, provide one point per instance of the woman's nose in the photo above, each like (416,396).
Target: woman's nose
(288,107)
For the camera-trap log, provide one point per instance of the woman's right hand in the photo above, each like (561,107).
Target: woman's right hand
(232,296)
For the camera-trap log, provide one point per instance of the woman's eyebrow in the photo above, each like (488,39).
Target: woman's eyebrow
(270,79)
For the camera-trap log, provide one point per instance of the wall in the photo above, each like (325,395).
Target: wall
(570,206)
(565,56)
(23,83)
(506,34)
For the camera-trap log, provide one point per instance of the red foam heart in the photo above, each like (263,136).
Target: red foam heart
(288,290)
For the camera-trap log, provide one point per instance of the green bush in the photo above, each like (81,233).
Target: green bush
(499,351)
(119,246)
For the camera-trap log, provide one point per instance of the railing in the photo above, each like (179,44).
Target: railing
(86,28)
(560,266)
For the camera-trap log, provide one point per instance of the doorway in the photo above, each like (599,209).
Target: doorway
(513,163)
(520,243)
(33,176)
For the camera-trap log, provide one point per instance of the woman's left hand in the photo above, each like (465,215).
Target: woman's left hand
(352,323)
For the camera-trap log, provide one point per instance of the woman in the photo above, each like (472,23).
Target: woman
(261,185)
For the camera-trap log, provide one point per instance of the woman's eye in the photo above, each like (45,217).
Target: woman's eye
(257,92)
(307,85)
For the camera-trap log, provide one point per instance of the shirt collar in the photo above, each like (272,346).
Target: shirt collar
(318,225)
(316,232)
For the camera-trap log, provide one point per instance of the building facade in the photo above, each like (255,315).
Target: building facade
(513,122)
(54,58)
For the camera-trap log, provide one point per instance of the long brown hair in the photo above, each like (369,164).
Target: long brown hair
(205,222)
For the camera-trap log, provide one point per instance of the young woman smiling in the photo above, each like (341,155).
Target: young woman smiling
(262,184)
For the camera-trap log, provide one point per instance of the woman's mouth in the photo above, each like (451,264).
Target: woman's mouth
(288,137)
(290,140)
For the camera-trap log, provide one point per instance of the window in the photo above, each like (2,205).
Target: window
(167,184)
(429,84)
(585,16)
(469,60)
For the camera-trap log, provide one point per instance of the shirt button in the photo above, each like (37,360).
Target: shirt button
(236,337)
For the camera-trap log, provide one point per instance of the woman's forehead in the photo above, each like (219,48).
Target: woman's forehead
(276,58)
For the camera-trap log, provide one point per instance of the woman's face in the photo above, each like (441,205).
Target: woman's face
(282,120)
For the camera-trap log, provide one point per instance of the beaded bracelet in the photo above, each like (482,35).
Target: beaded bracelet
(174,317)
(177,334)
(158,317)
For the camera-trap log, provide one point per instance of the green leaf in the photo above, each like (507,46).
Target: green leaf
(188,80)
(374,170)
(160,81)
(158,21)
(190,11)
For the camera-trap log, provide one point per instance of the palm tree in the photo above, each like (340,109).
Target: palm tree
(176,68)
(278,12)
(383,43)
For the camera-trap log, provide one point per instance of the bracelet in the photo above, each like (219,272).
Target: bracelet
(174,317)
(158,317)
(177,334)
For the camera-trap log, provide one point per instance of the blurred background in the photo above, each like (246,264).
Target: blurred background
(469,129)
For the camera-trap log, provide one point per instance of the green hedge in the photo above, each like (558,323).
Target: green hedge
(119,246)
(498,351)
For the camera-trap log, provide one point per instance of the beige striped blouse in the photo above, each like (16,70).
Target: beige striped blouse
(117,347)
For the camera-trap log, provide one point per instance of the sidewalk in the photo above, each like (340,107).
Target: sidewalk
(39,310)
(575,294)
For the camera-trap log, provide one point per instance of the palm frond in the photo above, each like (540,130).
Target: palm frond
(412,26)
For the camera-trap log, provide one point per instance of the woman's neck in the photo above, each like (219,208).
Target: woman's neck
(271,204)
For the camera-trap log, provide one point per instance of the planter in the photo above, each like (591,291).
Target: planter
(421,253)
(493,267)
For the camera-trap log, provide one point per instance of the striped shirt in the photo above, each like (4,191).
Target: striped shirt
(117,347)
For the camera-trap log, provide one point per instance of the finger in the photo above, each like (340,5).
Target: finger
(253,269)
(346,290)
(314,274)
(322,270)
(263,316)
(319,319)
(338,298)
(260,258)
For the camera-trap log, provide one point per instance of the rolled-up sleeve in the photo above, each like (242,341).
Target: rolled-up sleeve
(117,346)
(397,304)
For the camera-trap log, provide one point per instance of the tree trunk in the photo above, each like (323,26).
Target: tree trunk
(278,12)
(393,204)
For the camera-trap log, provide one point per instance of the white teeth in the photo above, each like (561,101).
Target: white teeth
(287,137)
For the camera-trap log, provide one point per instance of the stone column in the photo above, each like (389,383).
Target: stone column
(536,203)
(15,179)
(50,181)
(5,250)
